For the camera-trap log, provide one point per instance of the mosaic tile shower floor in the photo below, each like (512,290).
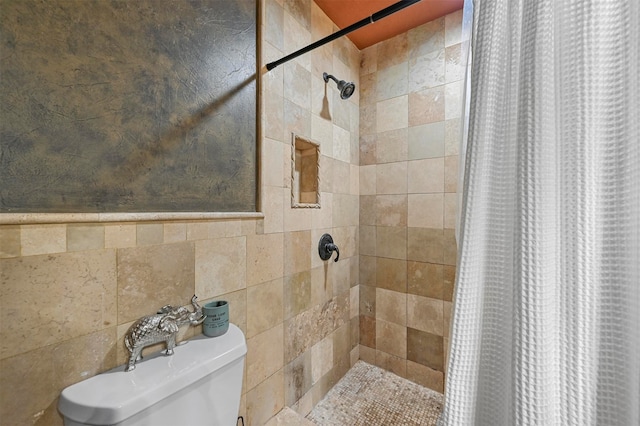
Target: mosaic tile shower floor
(370,396)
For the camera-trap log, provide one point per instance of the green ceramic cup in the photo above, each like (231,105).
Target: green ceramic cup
(217,321)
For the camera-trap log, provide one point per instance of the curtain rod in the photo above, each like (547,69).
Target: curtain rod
(366,21)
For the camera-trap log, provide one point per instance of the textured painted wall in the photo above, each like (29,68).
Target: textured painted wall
(126,106)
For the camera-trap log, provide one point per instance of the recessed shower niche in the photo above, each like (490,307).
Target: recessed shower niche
(305,173)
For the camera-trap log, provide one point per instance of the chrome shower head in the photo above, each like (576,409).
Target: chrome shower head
(346,89)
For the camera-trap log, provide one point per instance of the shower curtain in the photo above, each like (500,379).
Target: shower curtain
(546,321)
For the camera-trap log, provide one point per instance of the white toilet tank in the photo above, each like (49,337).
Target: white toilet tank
(200,384)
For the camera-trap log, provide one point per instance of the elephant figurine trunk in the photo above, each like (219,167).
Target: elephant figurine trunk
(161,327)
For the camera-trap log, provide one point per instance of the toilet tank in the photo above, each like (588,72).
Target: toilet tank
(200,384)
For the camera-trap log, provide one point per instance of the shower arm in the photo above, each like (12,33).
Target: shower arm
(366,21)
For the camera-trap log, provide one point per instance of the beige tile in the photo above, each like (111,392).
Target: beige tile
(454,67)
(298,87)
(425,279)
(43,239)
(367,270)
(369,60)
(425,376)
(321,285)
(392,113)
(77,359)
(354,179)
(149,234)
(453,100)
(450,250)
(272,165)
(391,338)
(265,254)
(392,81)
(49,299)
(297,378)
(392,51)
(425,314)
(427,71)
(216,229)
(448,282)
(426,176)
(237,301)
(394,364)
(368,180)
(391,306)
(427,106)
(300,10)
(368,240)
(199,230)
(297,219)
(321,358)
(274,24)
(309,327)
(368,88)
(265,400)
(391,274)
(273,205)
(451,173)
(425,348)
(119,235)
(321,25)
(426,38)
(296,252)
(367,331)
(426,141)
(29,374)
(151,277)
(368,124)
(266,306)
(367,300)
(354,301)
(9,241)
(425,245)
(297,293)
(450,208)
(447,306)
(368,209)
(265,355)
(220,266)
(391,242)
(273,118)
(392,146)
(272,81)
(391,178)
(452,136)
(296,36)
(174,232)
(390,210)
(296,120)
(367,354)
(345,210)
(85,237)
(453,28)
(426,211)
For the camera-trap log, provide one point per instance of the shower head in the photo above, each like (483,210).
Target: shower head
(346,89)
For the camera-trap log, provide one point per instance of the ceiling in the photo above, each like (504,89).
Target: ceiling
(346,12)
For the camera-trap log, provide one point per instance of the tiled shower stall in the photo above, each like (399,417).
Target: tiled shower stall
(388,171)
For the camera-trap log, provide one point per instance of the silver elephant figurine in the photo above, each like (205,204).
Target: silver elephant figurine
(161,327)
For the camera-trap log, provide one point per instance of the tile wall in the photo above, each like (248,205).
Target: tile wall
(69,291)
(410,107)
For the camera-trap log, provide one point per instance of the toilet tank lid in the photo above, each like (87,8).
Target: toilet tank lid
(116,395)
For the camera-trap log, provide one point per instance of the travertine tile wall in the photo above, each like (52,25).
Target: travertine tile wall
(410,107)
(68,292)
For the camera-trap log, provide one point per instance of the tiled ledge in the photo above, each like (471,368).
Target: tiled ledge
(40,218)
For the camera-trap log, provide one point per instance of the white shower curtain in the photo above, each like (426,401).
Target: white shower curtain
(546,322)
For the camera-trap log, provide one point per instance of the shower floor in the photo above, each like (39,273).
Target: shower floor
(370,396)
